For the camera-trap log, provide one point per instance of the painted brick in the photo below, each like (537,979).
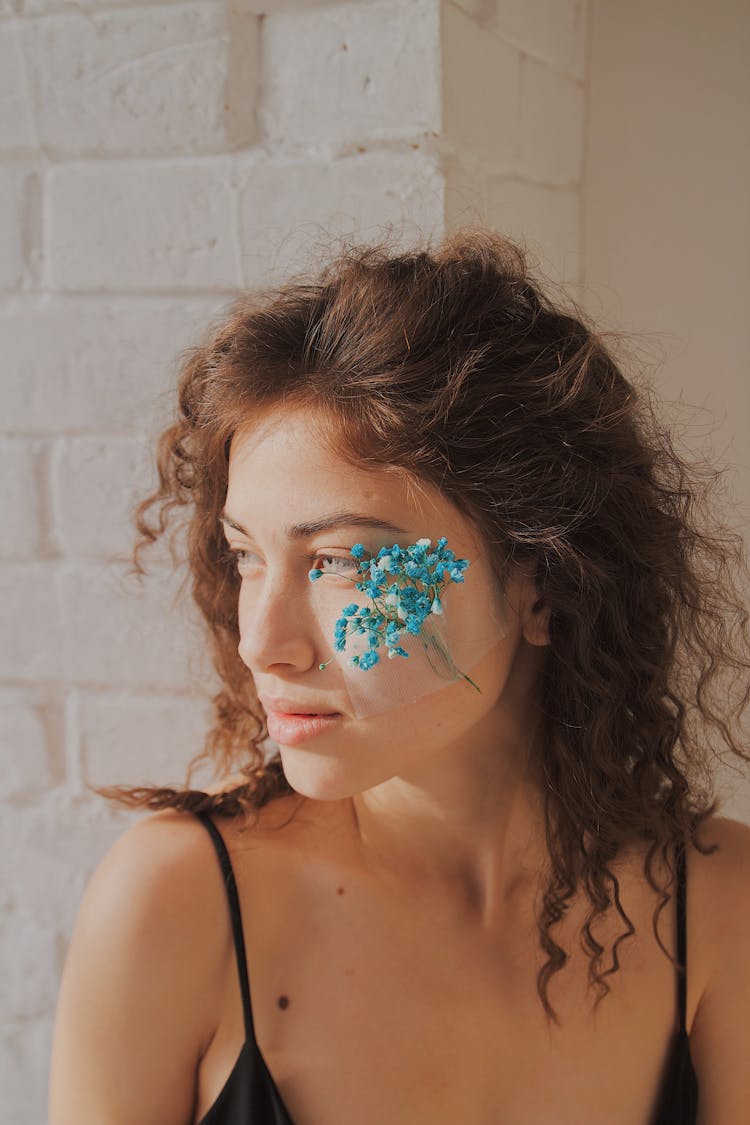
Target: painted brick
(364,89)
(281,225)
(547,218)
(21,512)
(273,7)
(121,633)
(465,191)
(17,135)
(552,30)
(16,185)
(72,364)
(253,7)
(551,125)
(29,968)
(24,757)
(483,11)
(55,7)
(146,80)
(32,622)
(138,740)
(95,482)
(481,90)
(142,226)
(25,1047)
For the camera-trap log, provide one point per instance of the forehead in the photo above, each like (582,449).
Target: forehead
(282,468)
(287,454)
(292,439)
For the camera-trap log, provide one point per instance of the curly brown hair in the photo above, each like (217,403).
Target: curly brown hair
(452,366)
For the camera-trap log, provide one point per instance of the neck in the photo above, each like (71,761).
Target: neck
(469,820)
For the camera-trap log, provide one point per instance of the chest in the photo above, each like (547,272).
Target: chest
(373,1007)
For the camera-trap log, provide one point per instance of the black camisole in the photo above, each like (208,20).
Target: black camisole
(250,1095)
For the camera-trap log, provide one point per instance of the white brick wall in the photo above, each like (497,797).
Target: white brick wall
(109,228)
(388,85)
(17,131)
(550,125)
(363,193)
(55,349)
(483,86)
(154,157)
(148,80)
(549,30)
(514,121)
(19,225)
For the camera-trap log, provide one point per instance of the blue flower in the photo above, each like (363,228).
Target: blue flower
(399,606)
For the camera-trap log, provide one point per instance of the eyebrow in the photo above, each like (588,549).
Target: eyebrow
(325,523)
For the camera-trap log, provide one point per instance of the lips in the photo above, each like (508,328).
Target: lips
(295,730)
(286,706)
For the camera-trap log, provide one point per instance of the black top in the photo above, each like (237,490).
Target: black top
(250,1095)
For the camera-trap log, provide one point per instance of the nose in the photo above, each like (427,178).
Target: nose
(277,627)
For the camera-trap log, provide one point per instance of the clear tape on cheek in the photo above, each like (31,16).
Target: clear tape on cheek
(448,646)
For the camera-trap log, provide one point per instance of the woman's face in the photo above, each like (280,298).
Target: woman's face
(281,473)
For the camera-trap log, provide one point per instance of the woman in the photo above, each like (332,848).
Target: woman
(449,894)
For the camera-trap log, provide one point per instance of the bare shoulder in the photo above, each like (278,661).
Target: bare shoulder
(158,867)
(731,836)
(163,868)
(718,871)
(719,934)
(719,880)
(142,938)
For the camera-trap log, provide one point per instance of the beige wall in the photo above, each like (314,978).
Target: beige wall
(666,214)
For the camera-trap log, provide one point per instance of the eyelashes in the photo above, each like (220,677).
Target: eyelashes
(347,564)
(237,557)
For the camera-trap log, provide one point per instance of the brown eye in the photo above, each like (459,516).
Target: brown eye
(236,555)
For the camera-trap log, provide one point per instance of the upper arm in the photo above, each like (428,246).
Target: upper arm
(719,887)
(136,1003)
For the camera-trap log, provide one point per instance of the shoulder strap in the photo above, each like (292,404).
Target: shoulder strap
(236,918)
(681,933)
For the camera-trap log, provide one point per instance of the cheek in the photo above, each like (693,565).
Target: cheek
(369,751)
(413,731)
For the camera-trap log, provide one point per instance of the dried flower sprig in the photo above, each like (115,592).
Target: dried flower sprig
(398,608)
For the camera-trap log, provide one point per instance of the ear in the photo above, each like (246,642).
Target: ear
(536,625)
(533,610)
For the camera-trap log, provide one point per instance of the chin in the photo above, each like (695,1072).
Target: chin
(313,775)
(320,778)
